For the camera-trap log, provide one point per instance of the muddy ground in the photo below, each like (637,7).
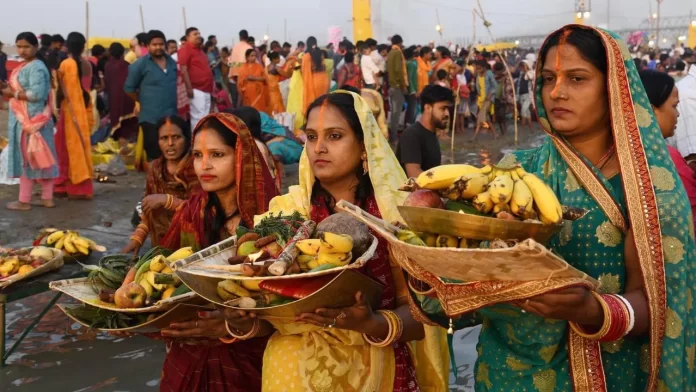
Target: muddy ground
(61,355)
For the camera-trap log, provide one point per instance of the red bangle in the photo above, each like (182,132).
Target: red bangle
(619,319)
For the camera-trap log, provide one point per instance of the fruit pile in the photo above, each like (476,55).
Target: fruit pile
(328,251)
(506,193)
(23,261)
(151,279)
(70,242)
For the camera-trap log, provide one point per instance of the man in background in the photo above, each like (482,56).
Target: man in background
(287,48)
(301,46)
(45,48)
(236,61)
(3,64)
(198,76)
(398,85)
(411,97)
(57,54)
(172,48)
(151,83)
(419,149)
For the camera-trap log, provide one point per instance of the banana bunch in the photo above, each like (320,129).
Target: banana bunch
(108,147)
(72,243)
(515,193)
(328,251)
(446,241)
(157,277)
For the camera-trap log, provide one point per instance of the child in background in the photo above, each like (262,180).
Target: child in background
(222,98)
(443,78)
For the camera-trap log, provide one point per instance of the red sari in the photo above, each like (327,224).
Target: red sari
(213,366)
(379,269)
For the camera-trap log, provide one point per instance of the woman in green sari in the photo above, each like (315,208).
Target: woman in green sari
(604,152)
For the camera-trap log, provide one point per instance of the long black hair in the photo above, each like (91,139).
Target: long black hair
(585,41)
(346,105)
(76,45)
(251,117)
(658,86)
(314,51)
(33,41)
(214,213)
(182,124)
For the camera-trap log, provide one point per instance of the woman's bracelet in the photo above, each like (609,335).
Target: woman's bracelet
(229,340)
(396,328)
(170,201)
(252,333)
(619,319)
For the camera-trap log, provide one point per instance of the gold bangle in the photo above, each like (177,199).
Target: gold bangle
(252,333)
(606,325)
(143,227)
(399,324)
(228,340)
(390,335)
(136,239)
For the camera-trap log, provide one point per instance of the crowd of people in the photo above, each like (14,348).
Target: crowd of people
(363,118)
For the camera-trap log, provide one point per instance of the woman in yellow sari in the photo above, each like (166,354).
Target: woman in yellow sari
(73,131)
(252,83)
(347,158)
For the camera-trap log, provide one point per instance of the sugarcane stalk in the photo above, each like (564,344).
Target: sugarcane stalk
(288,256)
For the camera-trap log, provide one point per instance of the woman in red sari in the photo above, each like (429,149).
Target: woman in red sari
(237,185)
(252,83)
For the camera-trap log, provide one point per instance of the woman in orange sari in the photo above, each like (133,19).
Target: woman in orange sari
(314,76)
(275,74)
(73,132)
(252,83)
(443,60)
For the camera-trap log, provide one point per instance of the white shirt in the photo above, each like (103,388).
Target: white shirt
(684,138)
(369,69)
(267,62)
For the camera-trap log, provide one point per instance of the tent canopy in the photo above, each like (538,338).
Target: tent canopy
(496,46)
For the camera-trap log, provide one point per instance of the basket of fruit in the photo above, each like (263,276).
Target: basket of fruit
(106,320)
(311,268)
(75,247)
(467,274)
(120,283)
(20,264)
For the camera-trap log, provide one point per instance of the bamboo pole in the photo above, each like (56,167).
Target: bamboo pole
(142,19)
(183,12)
(487,25)
(87,23)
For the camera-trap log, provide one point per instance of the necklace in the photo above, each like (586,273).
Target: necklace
(609,159)
(606,157)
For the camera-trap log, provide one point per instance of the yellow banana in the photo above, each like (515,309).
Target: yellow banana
(82,249)
(500,208)
(304,259)
(168,292)
(309,247)
(233,288)
(224,295)
(157,264)
(483,203)
(93,245)
(251,285)
(486,169)
(55,237)
(312,264)
(336,243)
(167,270)
(147,286)
(180,254)
(452,192)
(81,241)
(522,201)
(429,239)
(441,177)
(501,189)
(60,244)
(68,243)
(337,259)
(446,241)
(473,185)
(550,210)
(150,277)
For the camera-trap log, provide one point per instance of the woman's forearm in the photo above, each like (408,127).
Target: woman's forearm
(378,328)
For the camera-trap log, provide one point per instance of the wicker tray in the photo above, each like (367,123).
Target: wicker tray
(339,292)
(180,312)
(53,264)
(483,276)
(474,227)
(81,290)
(219,254)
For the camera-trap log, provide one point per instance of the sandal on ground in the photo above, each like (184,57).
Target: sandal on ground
(18,206)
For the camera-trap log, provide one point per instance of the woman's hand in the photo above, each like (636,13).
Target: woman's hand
(358,317)
(239,320)
(153,202)
(209,325)
(133,247)
(575,304)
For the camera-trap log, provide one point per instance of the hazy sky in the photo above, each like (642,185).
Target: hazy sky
(415,20)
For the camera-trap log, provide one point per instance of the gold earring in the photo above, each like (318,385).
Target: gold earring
(363,157)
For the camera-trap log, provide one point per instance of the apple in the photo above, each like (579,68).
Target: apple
(130,296)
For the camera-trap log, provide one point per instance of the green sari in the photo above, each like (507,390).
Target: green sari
(521,351)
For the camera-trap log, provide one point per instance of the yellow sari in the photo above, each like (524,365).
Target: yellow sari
(301,357)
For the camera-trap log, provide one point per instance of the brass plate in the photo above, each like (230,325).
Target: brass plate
(338,293)
(483,228)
